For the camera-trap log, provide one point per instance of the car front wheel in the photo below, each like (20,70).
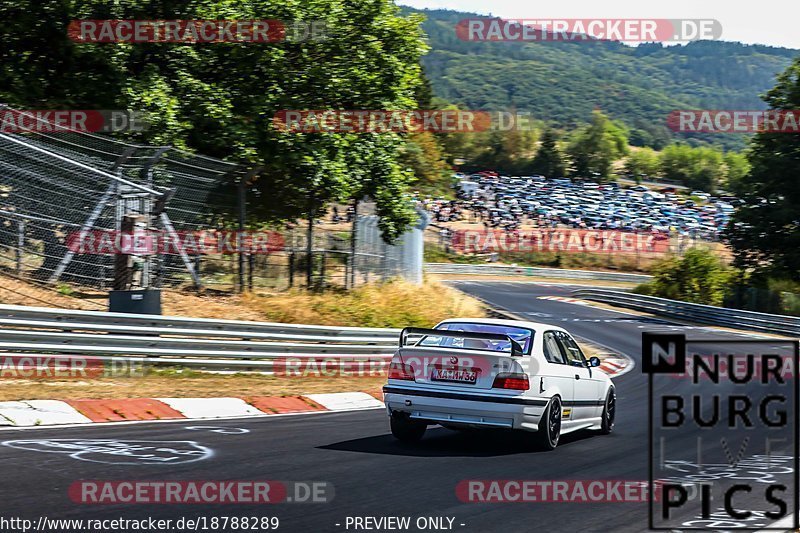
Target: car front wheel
(609,412)
(405,429)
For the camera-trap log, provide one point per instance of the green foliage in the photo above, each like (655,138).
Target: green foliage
(65,289)
(548,160)
(563,82)
(699,276)
(642,164)
(737,167)
(219,99)
(788,292)
(697,168)
(594,148)
(765,232)
(435,254)
(504,151)
(424,157)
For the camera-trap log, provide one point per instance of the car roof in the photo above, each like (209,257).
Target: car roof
(536,326)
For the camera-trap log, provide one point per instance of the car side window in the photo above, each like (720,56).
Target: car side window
(552,351)
(572,350)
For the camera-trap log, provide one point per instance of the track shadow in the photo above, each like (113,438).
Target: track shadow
(441,442)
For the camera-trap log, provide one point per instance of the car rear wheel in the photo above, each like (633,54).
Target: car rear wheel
(550,426)
(609,412)
(405,429)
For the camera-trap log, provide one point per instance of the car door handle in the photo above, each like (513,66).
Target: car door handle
(577,376)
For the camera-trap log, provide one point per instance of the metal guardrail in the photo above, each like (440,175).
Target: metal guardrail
(704,314)
(509,270)
(218,326)
(190,342)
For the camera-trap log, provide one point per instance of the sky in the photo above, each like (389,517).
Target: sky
(747,21)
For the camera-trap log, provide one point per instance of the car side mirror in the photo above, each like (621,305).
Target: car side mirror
(594,361)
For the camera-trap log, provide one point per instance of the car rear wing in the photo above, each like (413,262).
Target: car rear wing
(516,349)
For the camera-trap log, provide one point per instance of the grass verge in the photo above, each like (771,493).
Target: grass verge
(393,304)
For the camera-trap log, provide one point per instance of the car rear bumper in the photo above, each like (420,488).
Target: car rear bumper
(466,409)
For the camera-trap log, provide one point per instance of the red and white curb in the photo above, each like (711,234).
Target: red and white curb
(31,413)
(564,299)
(616,366)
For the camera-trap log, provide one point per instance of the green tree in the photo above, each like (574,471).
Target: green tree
(220,99)
(698,168)
(642,164)
(737,167)
(548,160)
(765,232)
(699,276)
(676,162)
(423,155)
(594,148)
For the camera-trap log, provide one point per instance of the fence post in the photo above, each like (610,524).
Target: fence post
(250,267)
(384,262)
(242,214)
(20,245)
(353,246)
(322,267)
(291,269)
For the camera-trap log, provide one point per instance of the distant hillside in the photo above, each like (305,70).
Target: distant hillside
(564,81)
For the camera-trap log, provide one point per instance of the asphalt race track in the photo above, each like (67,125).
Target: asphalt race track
(372,474)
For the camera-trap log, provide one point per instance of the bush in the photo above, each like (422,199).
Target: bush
(700,276)
(789,294)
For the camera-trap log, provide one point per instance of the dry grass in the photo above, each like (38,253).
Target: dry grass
(233,307)
(391,304)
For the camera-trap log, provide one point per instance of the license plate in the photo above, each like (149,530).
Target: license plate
(456,375)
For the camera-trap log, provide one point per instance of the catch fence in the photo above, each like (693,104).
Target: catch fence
(69,200)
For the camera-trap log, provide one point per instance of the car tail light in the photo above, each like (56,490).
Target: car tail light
(400,370)
(507,380)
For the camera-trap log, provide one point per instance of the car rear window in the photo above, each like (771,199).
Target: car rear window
(523,336)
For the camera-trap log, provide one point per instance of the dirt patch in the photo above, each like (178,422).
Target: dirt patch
(17,292)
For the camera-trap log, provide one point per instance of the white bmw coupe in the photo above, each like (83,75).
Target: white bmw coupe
(486,373)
